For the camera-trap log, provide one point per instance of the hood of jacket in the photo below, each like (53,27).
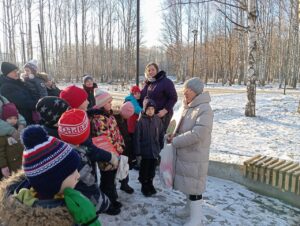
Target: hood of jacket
(160,75)
(130,97)
(199,99)
(2,77)
(13,212)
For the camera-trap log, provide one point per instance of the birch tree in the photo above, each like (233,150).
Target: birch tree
(252,45)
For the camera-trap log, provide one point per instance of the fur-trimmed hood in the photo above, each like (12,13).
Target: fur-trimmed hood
(43,212)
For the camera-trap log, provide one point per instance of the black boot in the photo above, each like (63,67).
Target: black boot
(146,189)
(151,187)
(112,210)
(117,204)
(125,186)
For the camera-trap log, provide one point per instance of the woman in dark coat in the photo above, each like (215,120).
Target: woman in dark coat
(15,90)
(161,90)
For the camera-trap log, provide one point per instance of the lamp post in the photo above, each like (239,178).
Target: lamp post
(137,42)
(195,40)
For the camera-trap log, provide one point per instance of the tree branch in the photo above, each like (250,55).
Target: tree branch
(235,23)
(243,7)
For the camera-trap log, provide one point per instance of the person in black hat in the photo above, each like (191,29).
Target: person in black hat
(15,90)
(50,109)
(149,135)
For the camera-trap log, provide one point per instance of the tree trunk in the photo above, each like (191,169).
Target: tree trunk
(252,46)
(29,31)
(76,41)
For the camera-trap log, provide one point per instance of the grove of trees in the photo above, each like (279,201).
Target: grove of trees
(99,37)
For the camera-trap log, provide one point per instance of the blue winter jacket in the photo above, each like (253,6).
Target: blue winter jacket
(135,103)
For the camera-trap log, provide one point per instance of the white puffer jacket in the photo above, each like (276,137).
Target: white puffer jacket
(192,146)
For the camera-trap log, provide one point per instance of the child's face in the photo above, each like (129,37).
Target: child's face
(27,71)
(13,120)
(150,111)
(89,83)
(70,181)
(137,95)
(84,105)
(108,105)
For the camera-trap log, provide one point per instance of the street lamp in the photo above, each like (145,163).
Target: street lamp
(195,40)
(137,42)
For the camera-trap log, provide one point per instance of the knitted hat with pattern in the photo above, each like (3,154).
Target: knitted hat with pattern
(47,161)
(74,126)
(50,109)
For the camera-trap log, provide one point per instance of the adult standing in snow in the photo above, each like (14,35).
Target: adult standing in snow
(15,90)
(192,142)
(161,90)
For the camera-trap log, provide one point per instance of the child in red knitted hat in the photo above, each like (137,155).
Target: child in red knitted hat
(75,97)
(11,149)
(74,128)
(133,97)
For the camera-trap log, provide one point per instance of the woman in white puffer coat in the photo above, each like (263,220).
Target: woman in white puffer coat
(192,142)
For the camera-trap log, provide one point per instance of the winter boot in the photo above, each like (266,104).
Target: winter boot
(117,204)
(112,210)
(151,187)
(125,186)
(196,217)
(146,189)
(184,211)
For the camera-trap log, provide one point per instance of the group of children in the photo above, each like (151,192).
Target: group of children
(61,155)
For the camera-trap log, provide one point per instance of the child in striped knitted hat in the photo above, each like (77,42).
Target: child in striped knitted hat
(46,196)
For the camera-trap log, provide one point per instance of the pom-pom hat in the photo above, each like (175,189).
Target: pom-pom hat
(47,161)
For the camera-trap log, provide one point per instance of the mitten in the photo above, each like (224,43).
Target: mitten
(81,209)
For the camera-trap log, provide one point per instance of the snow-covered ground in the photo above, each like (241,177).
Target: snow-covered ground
(274,132)
(225,203)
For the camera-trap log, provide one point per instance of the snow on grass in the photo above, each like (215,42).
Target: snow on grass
(274,132)
(225,203)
